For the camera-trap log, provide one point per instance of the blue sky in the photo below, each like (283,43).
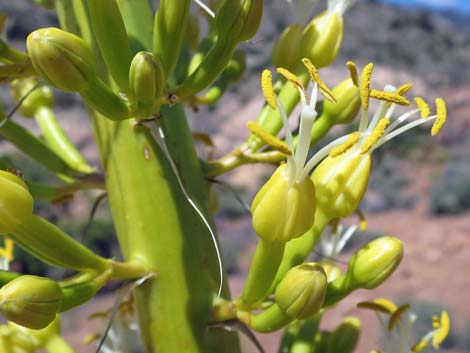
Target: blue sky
(457,5)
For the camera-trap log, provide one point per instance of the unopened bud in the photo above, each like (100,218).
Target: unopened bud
(341,182)
(322,38)
(238,20)
(347,105)
(283,210)
(236,66)
(146,82)
(62,58)
(345,337)
(286,50)
(301,292)
(16,202)
(375,262)
(31,301)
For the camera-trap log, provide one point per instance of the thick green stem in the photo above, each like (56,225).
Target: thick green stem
(155,222)
(263,269)
(297,250)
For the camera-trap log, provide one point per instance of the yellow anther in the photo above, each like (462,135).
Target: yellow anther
(365,85)
(374,306)
(403,89)
(267,88)
(315,77)
(436,322)
(290,77)
(346,145)
(423,106)
(396,316)
(90,338)
(8,250)
(389,97)
(270,140)
(443,331)
(375,135)
(441,112)
(420,346)
(386,303)
(353,72)
(362,221)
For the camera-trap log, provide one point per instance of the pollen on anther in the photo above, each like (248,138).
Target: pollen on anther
(396,316)
(267,88)
(423,107)
(389,97)
(346,145)
(315,77)
(375,135)
(365,85)
(441,112)
(403,89)
(353,72)
(270,140)
(291,77)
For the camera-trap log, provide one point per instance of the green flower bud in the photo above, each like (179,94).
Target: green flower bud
(340,182)
(345,337)
(146,82)
(301,292)
(283,210)
(41,97)
(62,58)
(16,203)
(31,301)
(322,38)
(238,20)
(40,337)
(286,50)
(375,262)
(236,66)
(347,106)
(332,271)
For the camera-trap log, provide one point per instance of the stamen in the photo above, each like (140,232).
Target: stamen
(295,81)
(386,303)
(267,88)
(420,346)
(7,250)
(443,331)
(375,135)
(396,316)
(365,85)
(378,307)
(389,97)
(399,120)
(362,220)
(315,77)
(441,113)
(353,72)
(269,139)
(351,141)
(423,107)
(403,89)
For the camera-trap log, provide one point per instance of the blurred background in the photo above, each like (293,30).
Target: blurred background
(419,188)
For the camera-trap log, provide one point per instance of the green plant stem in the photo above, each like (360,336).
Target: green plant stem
(59,142)
(156,223)
(297,250)
(138,19)
(263,269)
